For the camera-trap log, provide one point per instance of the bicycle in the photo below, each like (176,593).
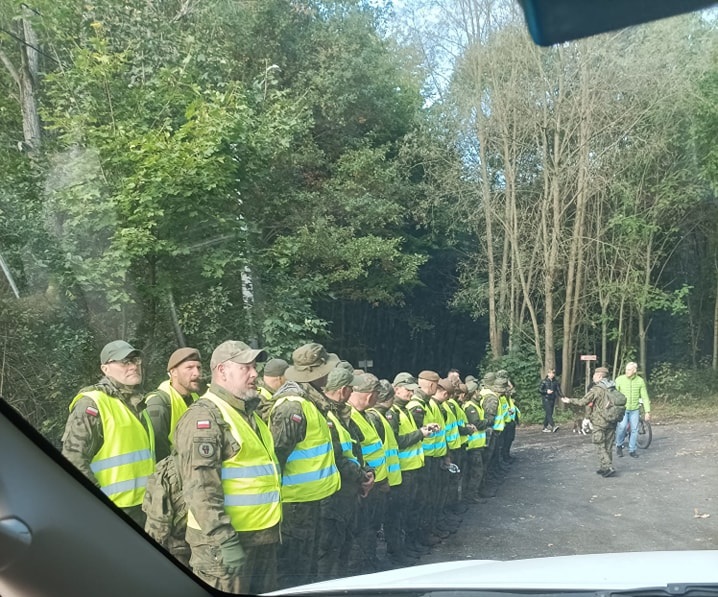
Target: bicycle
(645,432)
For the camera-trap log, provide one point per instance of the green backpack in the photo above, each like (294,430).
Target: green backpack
(615,406)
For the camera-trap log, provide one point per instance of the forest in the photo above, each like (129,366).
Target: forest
(412,184)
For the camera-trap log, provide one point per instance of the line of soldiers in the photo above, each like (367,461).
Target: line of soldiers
(264,484)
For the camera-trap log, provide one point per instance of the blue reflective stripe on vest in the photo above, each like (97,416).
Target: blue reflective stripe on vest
(410,453)
(128,485)
(250,499)
(370,448)
(113,461)
(311,476)
(248,472)
(310,452)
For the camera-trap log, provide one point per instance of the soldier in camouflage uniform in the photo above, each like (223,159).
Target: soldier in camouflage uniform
(475,451)
(604,432)
(489,401)
(168,403)
(230,478)
(338,512)
(303,443)
(411,458)
(272,379)
(114,397)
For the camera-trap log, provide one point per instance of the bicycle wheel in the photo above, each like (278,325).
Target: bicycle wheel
(645,434)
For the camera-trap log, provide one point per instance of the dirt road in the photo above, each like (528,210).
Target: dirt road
(553,502)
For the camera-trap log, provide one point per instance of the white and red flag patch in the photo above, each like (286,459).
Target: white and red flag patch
(206,424)
(92,411)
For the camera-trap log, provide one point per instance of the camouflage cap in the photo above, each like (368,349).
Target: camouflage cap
(339,378)
(345,365)
(471,387)
(469,378)
(386,391)
(603,370)
(366,383)
(502,373)
(405,380)
(275,367)
(311,362)
(181,355)
(429,375)
(116,351)
(237,352)
(488,378)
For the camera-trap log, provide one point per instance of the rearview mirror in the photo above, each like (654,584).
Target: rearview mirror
(556,21)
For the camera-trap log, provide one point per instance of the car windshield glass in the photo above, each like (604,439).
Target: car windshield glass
(311,289)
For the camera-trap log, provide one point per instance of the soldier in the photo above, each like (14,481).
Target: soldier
(489,402)
(168,403)
(303,443)
(476,443)
(230,478)
(382,417)
(272,379)
(604,431)
(108,435)
(409,439)
(364,395)
(447,480)
(338,512)
(426,412)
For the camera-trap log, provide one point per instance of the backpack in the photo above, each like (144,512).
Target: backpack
(615,404)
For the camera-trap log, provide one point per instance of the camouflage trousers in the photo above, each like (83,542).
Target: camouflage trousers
(604,438)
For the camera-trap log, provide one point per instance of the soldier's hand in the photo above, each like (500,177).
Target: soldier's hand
(565,400)
(367,484)
(233,556)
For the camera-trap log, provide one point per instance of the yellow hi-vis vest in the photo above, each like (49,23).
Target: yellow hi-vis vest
(498,424)
(345,438)
(250,478)
(453,439)
(441,447)
(391,451)
(264,393)
(127,455)
(460,417)
(504,406)
(433,443)
(478,438)
(411,457)
(177,406)
(310,473)
(514,411)
(371,448)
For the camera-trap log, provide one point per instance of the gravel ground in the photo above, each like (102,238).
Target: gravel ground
(553,503)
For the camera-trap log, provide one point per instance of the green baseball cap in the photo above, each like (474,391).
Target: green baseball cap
(116,351)
(237,352)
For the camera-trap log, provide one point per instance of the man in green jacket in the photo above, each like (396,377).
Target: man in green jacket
(632,386)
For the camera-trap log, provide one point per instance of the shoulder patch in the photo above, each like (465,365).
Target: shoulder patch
(92,411)
(418,410)
(297,418)
(330,424)
(388,416)
(205,449)
(204,424)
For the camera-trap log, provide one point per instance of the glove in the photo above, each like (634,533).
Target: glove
(232,554)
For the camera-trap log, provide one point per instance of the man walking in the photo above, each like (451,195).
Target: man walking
(632,386)
(604,430)
(230,478)
(108,435)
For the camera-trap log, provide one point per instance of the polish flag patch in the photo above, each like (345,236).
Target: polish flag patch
(204,424)
(297,418)
(92,411)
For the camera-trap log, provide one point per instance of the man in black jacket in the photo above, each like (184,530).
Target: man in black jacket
(550,389)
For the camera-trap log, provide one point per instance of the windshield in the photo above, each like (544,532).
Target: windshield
(312,289)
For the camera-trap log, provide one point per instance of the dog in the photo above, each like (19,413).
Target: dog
(581,422)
